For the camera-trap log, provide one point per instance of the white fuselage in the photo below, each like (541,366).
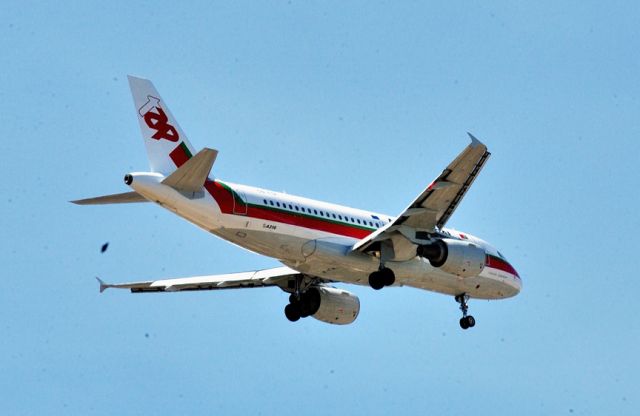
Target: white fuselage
(316,237)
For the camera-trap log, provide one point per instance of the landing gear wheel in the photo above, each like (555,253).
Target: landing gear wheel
(310,303)
(381,278)
(388,277)
(292,312)
(376,280)
(463,323)
(467,321)
(471,321)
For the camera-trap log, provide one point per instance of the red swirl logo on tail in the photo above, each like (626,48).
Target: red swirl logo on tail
(156,119)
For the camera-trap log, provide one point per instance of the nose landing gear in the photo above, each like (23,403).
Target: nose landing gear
(467,321)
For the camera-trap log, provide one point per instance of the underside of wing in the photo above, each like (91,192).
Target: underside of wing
(313,296)
(279,276)
(431,210)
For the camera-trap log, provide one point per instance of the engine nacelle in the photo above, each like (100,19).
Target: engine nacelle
(461,258)
(337,306)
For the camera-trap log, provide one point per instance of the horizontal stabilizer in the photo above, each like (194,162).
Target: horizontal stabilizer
(125,198)
(190,177)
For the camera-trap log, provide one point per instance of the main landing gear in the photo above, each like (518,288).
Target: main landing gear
(467,321)
(302,304)
(381,278)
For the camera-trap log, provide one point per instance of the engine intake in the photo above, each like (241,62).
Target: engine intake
(461,258)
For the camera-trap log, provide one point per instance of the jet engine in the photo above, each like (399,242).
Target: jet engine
(337,306)
(461,258)
(326,304)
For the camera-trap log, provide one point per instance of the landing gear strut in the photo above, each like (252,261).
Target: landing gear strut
(381,278)
(467,321)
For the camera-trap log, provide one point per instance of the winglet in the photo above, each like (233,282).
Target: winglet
(474,142)
(103,285)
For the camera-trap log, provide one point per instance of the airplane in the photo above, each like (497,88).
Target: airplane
(317,243)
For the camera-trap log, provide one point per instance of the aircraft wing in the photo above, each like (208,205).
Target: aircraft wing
(434,206)
(278,276)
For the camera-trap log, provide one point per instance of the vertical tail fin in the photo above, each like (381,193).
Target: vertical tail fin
(167,146)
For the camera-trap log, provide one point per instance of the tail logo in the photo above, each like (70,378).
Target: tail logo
(156,119)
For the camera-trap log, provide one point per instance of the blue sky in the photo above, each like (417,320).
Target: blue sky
(358,103)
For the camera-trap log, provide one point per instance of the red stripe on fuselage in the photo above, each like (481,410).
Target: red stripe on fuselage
(307,222)
(223,197)
(225,200)
(498,263)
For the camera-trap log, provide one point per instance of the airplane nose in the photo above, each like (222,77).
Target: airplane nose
(502,265)
(513,271)
(512,278)
(518,282)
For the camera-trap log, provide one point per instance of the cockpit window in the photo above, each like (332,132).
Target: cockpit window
(501,256)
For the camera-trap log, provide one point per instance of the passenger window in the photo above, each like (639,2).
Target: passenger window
(358,220)
(340,216)
(278,204)
(296,207)
(271,202)
(290,207)
(315,211)
(265,201)
(334,215)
